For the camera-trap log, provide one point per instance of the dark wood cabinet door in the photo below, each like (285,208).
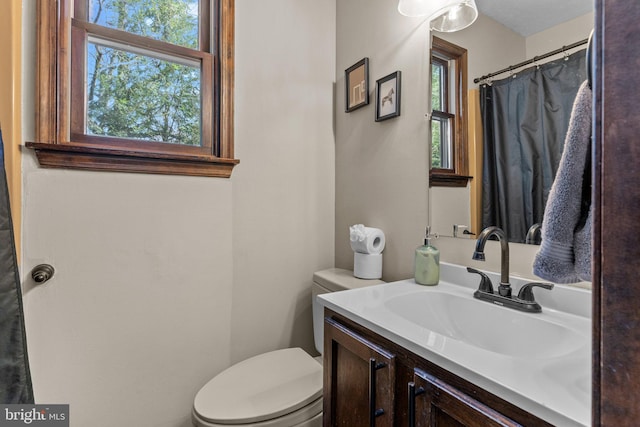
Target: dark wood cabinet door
(359,378)
(434,403)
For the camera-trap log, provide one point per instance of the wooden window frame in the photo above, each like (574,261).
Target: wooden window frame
(458,175)
(59,144)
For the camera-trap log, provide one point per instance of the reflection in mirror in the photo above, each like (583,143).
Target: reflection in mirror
(441,119)
(532,169)
(449,164)
(525,118)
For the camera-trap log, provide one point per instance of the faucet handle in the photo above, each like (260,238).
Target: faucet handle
(485,282)
(526,291)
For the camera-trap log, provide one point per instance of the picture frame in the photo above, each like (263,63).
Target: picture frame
(357,85)
(388,90)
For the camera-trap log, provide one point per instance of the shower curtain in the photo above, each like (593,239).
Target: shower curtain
(15,378)
(525,119)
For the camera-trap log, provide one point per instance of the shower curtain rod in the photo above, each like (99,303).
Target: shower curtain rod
(532,60)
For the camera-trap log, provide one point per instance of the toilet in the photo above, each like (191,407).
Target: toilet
(281,388)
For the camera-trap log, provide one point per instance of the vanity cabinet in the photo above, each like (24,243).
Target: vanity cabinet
(359,379)
(433,402)
(371,381)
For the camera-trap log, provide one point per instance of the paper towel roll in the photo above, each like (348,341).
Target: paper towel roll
(366,240)
(367,266)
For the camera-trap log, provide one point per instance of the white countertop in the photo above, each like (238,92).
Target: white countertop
(554,387)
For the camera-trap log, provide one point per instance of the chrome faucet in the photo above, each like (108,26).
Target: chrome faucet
(505,288)
(525,300)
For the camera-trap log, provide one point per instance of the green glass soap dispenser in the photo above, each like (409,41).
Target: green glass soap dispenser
(427,262)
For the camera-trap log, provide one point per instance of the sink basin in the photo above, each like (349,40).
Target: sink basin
(478,323)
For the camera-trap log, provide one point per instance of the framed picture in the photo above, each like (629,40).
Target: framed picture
(388,97)
(357,85)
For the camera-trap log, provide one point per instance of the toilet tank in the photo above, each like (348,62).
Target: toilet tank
(331,280)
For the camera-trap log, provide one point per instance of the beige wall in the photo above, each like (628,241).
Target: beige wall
(283,189)
(561,35)
(163,281)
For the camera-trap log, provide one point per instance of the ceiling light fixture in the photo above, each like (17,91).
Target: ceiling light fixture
(444,15)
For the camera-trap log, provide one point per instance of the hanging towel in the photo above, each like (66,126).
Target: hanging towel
(565,252)
(15,379)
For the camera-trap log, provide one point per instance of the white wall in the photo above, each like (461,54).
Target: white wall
(163,281)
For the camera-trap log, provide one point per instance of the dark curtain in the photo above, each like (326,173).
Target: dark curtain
(15,378)
(525,119)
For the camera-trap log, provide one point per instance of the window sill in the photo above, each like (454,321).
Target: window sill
(76,156)
(448,180)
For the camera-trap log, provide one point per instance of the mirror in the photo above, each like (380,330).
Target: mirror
(492,47)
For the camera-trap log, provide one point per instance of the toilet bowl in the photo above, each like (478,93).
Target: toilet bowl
(281,388)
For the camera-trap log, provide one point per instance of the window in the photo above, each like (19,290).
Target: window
(448,118)
(136,85)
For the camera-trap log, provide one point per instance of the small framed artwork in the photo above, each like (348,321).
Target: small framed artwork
(388,97)
(357,85)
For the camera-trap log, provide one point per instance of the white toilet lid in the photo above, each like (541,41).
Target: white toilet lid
(260,388)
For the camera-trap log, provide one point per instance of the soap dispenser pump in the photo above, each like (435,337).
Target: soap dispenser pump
(427,262)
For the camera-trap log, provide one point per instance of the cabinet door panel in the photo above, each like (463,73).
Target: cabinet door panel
(359,378)
(438,404)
